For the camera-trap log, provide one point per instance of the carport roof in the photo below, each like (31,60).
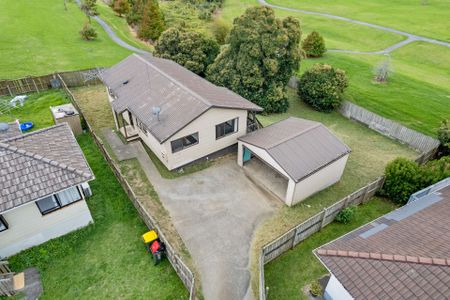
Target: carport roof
(301,147)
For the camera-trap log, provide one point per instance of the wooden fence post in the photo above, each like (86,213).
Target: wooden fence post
(9,90)
(35,86)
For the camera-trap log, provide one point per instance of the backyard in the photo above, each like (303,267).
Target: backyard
(106,259)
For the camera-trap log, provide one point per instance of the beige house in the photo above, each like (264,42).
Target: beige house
(180,116)
(43,185)
(293,159)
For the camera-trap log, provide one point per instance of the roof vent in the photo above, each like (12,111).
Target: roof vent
(125,82)
(156,111)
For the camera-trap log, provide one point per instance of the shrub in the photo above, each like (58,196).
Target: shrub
(314,45)
(383,71)
(220,30)
(346,215)
(121,7)
(402,178)
(315,289)
(435,170)
(88,32)
(443,135)
(322,87)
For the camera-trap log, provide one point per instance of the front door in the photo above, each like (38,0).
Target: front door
(247,155)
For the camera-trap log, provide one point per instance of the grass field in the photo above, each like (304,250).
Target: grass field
(300,267)
(414,16)
(40,37)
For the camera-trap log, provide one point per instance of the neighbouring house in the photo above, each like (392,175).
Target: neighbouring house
(294,158)
(43,185)
(180,116)
(404,254)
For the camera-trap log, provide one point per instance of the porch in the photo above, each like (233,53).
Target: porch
(126,125)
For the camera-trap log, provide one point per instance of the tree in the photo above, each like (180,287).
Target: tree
(152,24)
(262,54)
(314,45)
(382,71)
(220,30)
(89,7)
(322,87)
(88,32)
(134,16)
(189,49)
(121,7)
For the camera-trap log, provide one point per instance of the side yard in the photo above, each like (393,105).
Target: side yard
(106,259)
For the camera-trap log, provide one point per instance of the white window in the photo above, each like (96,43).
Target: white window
(226,128)
(59,200)
(3,224)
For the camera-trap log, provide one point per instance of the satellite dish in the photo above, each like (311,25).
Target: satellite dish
(156,111)
(4,127)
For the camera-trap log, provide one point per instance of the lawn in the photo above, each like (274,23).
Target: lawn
(288,274)
(35,109)
(40,37)
(423,17)
(106,260)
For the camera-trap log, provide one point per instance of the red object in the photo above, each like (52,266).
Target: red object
(155,246)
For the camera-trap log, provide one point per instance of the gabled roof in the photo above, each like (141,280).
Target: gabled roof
(301,147)
(403,255)
(38,164)
(140,83)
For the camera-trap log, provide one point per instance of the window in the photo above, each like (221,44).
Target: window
(59,200)
(184,142)
(3,224)
(226,128)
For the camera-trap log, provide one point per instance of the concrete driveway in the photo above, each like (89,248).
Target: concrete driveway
(215,212)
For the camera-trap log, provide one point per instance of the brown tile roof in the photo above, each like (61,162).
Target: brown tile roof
(182,95)
(301,147)
(38,164)
(402,255)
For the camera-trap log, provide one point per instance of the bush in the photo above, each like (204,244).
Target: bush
(314,45)
(435,170)
(322,87)
(315,289)
(346,215)
(443,135)
(88,32)
(121,7)
(220,30)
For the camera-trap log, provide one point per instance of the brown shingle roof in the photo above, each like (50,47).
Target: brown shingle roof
(38,164)
(301,147)
(402,255)
(182,95)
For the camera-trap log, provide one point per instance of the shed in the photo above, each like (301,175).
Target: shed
(293,159)
(68,114)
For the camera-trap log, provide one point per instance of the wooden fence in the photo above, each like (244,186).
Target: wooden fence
(6,280)
(388,127)
(185,274)
(33,84)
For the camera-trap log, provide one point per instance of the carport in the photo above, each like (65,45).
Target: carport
(294,158)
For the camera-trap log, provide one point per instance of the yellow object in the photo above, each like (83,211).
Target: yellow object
(150,236)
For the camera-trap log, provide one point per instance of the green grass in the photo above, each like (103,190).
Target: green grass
(120,27)
(337,34)
(430,20)
(300,267)
(106,260)
(40,37)
(36,109)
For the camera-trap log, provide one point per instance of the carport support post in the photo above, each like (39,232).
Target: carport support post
(240,155)
(290,193)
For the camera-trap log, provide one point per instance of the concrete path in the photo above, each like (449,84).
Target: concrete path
(33,286)
(409,36)
(216,212)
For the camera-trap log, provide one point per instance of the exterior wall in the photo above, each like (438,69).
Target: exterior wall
(205,125)
(319,180)
(336,291)
(27,227)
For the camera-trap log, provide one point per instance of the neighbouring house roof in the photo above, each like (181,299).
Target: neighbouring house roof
(38,164)
(301,147)
(403,255)
(140,83)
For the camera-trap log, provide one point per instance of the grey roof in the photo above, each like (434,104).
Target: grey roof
(182,95)
(38,164)
(13,130)
(301,147)
(404,254)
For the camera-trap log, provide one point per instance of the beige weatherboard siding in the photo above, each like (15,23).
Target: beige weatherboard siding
(27,227)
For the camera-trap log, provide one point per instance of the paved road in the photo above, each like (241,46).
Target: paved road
(409,36)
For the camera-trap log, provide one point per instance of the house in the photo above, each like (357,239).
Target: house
(404,254)
(43,185)
(180,116)
(294,158)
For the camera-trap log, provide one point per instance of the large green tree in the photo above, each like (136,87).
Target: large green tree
(190,49)
(152,23)
(262,54)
